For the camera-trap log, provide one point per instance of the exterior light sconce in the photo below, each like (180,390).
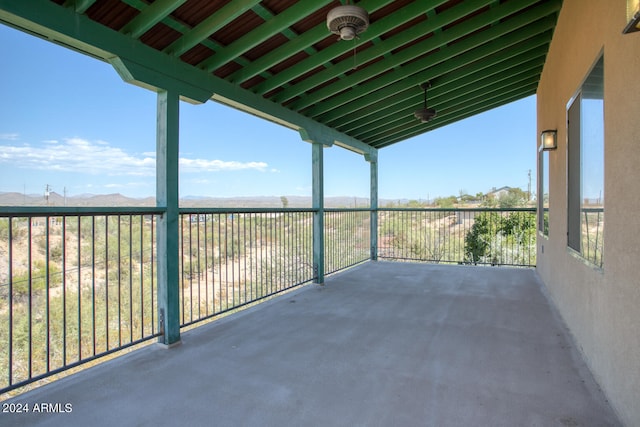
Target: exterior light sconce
(633,17)
(549,139)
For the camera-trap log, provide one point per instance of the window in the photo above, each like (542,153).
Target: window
(585,233)
(543,191)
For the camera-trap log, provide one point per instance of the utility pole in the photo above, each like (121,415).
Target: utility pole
(529,188)
(47,191)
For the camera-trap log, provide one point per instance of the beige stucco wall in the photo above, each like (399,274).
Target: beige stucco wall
(601,307)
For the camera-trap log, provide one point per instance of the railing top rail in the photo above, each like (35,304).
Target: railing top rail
(14,211)
(460,209)
(194,211)
(348,209)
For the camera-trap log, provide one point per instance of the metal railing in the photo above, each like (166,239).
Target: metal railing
(77,284)
(347,238)
(460,236)
(592,226)
(231,258)
(74,286)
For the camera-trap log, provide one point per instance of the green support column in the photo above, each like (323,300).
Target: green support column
(167,228)
(318,216)
(372,158)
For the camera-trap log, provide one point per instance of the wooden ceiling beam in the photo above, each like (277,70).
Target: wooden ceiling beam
(454,116)
(326,55)
(210,25)
(150,16)
(458,91)
(473,97)
(471,49)
(497,65)
(264,32)
(382,48)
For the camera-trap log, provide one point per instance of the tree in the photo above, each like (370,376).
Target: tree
(489,201)
(476,242)
(285,202)
(446,202)
(490,230)
(515,197)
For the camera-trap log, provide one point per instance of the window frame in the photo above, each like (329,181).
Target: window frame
(577,142)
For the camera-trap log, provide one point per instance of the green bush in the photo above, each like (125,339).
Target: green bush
(20,282)
(518,228)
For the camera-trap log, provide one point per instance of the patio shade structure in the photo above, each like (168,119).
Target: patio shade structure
(277,59)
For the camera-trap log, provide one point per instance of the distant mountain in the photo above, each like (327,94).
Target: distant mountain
(109,200)
(83,200)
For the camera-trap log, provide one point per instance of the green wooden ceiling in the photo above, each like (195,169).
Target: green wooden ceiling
(276,58)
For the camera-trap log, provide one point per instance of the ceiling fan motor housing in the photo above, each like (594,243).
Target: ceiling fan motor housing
(425,114)
(347,21)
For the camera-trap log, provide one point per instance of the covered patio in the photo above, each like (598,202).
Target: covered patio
(382,343)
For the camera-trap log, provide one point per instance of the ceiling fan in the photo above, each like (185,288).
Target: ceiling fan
(347,21)
(425,114)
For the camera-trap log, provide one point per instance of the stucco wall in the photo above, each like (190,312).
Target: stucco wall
(601,307)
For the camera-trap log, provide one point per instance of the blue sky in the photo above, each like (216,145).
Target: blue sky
(69,121)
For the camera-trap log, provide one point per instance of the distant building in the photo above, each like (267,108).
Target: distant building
(498,192)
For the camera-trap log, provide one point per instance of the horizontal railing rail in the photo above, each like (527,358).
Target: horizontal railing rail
(75,285)
(460,236)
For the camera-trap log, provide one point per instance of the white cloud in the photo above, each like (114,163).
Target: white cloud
(99,157)
(203,165)
(9,136)
(77,155)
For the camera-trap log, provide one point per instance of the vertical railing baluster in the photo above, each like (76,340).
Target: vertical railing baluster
(30,298)
(206,265)
(130,278)
(47,303)
(64,291)
(598,250)
(79,264)
(93,283)
(220,218)
(182,272)
(10,297)
(243,256)
(153,281)
(191,272)
(119,238)
(141,260)
(107,281)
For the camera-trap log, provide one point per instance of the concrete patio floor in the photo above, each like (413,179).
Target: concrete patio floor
(382,344)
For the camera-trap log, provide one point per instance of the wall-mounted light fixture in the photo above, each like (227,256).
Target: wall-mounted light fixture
(633,16)
(549,139)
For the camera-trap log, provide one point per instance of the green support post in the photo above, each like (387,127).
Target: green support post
(318,216)
(372,158)
(167,227)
